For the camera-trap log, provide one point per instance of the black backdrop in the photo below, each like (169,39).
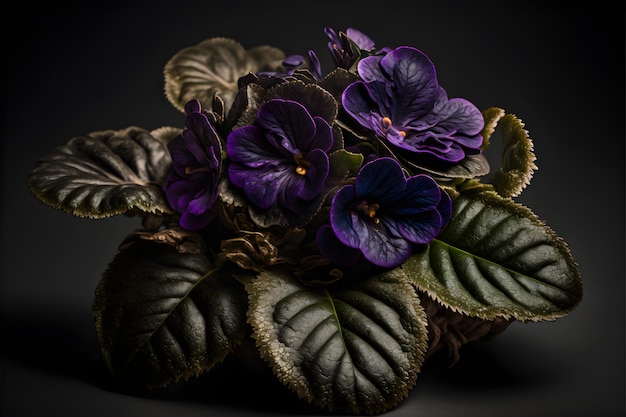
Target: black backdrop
(71,69)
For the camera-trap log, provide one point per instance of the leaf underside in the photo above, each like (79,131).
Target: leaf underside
(355,349)
(496,259)
(214,66)
(159,317)
(105,173)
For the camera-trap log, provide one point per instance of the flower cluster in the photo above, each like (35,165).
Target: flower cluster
(345,220)
(303,148)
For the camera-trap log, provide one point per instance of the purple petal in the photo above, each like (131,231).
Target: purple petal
(415,83)
(316,175)
(193,106)
(422,228)
(261,185)
(370,70)
(358,104)
(362,40)
(420,194)
(200,203)
(323,135)
(246,146)
(380,178)
(385,249)
(345,221)
(291,119)
(464,117)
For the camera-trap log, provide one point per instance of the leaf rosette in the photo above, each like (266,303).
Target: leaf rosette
(345,222)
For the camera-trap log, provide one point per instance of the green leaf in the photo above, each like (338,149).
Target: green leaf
(497,259)
(162,315)
(469,167)
(336,81)
(518,158)
(106,173)
(357,347)
(214,66)
(343,164)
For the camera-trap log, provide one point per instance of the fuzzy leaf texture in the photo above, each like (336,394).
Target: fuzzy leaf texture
(161,316)
(106,173)
(492,116)
(354,349)
(212,67)
(518,158)
(497,259)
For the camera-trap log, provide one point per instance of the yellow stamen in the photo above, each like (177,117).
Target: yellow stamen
(386,121)
(403,133)
(300,170)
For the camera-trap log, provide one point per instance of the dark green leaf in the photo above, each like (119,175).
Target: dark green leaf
(318,102)
(497,259)
(336,82)
(106,173)
(343,164)
(162,315)
(469,167)
(354,348)
(214,66)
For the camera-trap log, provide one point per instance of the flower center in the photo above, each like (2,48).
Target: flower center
(302,165)
(387,124)
(369,210)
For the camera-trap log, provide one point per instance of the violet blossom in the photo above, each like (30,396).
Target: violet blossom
(281,159)
(384,213)
(399,98)
(192,184)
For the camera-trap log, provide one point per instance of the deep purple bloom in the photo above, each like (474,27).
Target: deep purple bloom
(192,184)
(384,212)
(281,159)
(399,98)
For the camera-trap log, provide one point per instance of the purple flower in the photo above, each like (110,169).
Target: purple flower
(400,100)
(384,212)
(192,184)
(281,159)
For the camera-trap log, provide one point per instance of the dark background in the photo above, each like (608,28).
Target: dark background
(71,68)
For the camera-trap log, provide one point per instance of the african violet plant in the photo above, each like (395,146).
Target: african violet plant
(346,222)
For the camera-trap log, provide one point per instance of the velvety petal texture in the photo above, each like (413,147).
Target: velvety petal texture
(192,184)
(281,159)
(384,213)
(400,99)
